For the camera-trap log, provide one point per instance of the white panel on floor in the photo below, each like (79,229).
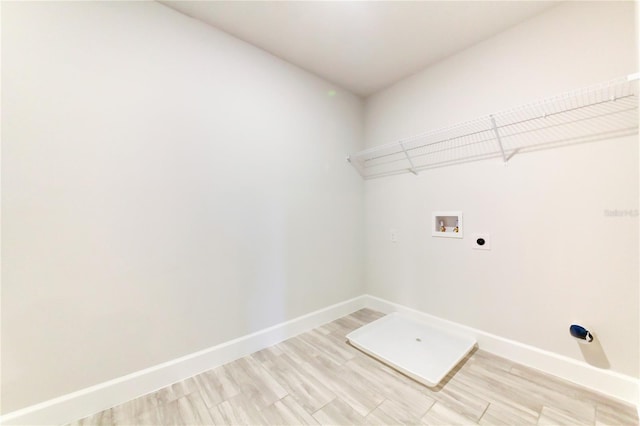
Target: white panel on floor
(422,352)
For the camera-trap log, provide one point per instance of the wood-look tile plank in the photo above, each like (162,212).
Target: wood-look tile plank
(338,412)
(440,415)
(102,418)
(557,385)
(268,353)
(380,418)
(301,351)
(390,385)
(216,385)
(341,341)
(329,328)
(489,361)
(287,412)
(352,388)
(239,409)
(558,400)
(149,418)
(459,397)
(367,315)
(616,414)
(496,391)
(507,415)
(550,416)
(325,329)
(323,344)
(500,386)
(176,391)
(189,409)
(255,382)
(227,414)
(127,413)
(395,413)
(346,325)
(307,391)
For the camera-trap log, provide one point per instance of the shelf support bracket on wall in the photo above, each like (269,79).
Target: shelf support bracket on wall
(412,169)
(495,130)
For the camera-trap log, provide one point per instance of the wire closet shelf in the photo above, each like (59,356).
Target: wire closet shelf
(603,111)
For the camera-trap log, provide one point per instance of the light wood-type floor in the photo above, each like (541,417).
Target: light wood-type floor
(317,378)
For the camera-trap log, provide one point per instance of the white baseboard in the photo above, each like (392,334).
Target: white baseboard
(76,405)
(610,383)
(85,402)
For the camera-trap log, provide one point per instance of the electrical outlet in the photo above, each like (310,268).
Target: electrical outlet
(393,233)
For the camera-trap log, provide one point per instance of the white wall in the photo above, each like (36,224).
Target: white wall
(556,258)
(165,188)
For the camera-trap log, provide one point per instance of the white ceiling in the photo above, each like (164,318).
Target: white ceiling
(362,46)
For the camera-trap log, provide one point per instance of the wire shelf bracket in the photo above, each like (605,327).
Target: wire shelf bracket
(412,169)
(602,111)
(495,130)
